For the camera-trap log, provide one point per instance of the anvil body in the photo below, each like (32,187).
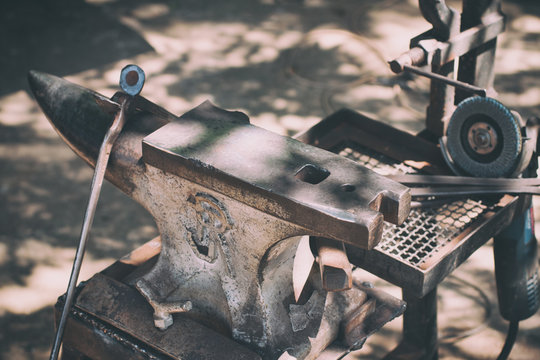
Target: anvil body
(231,201)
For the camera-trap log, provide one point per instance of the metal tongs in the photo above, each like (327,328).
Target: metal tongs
(132,80)
(424,186)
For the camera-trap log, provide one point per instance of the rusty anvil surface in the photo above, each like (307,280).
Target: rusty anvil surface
(230,200)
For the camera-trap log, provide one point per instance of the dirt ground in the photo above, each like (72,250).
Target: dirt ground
(285,63)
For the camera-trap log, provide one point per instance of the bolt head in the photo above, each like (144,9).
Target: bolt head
(482,138)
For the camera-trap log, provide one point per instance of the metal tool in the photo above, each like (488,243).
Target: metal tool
(486,139)
(516,272)
(229,200)
(478,138)
(485,145)
(334,265)
(471,38)
(131,81)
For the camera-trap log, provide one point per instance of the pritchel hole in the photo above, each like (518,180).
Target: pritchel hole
(312,174)
(132,78)
(348,187)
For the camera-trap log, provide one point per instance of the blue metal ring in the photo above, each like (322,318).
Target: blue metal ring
(132,79)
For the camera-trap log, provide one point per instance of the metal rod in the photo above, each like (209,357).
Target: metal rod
(473,190)
(95,190)
(334,265)
(445,180)
(458,84)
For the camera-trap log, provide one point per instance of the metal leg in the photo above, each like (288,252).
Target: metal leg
(69,353)
(419,329)
(441,101)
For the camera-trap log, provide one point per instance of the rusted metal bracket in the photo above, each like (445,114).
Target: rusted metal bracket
(425,50)
(469,39)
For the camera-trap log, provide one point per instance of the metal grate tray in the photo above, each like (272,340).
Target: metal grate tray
(432,242)
(426,231)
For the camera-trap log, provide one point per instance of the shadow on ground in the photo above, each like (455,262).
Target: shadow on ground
(61,37)
(263,57)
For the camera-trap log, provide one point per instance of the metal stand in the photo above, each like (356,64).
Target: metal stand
(418,255)
(419,329)
(470,40)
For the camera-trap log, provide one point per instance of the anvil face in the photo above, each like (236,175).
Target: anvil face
(229,198)
(301,184)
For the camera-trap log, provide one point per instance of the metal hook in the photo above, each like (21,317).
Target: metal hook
(132,81)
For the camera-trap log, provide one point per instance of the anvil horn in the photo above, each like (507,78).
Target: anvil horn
(81,117)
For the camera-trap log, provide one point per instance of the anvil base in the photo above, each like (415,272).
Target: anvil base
(111,320)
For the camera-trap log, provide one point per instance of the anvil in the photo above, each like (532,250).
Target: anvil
(231,201)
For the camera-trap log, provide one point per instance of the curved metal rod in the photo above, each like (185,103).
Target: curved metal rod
(95,190)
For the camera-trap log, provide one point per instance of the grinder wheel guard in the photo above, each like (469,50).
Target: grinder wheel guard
(484,139)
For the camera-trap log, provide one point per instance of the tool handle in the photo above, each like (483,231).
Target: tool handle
(95,190)
(516,268)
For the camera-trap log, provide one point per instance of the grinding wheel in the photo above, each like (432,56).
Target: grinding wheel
(484,139)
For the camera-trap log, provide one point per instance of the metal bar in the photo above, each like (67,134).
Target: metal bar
(441,101)
(469,40)
(335,268)
(408,179)
(415,56)
(457,84)
(473,190)
(95,190)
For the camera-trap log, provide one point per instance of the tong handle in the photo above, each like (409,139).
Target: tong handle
(131,81)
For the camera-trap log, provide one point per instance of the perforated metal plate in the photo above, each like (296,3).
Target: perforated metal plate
(426,231)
